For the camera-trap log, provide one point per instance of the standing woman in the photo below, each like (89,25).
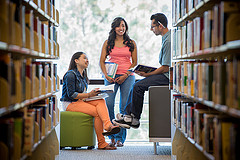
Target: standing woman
(120,49)
(75,83)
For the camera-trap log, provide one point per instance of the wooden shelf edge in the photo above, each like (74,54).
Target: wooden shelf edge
(222,108)
(6,110)
(199,147)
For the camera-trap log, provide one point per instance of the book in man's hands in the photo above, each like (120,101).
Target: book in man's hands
(111,69)
(103,93)
(142,68)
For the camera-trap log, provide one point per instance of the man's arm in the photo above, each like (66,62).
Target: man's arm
(160,70)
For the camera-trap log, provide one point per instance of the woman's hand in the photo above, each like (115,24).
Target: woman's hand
(109,79)
(121,79)
(94,92)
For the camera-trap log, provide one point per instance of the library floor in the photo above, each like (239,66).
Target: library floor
(132,150)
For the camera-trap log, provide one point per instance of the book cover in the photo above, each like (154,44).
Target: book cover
(99,96)
(142,68)
(4,21)
(198,125)
(111,69)
(107,89)
(227,9)
(5,60)
(208,132)
(103,93)
(226,140)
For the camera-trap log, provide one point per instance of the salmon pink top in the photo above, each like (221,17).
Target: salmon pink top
(121,56)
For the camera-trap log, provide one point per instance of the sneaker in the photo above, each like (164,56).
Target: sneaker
(127,122)
(119,116)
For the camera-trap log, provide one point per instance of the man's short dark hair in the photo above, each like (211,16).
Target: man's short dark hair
(160,17)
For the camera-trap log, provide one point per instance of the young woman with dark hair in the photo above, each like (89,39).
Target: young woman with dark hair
(122,50)
(75,83)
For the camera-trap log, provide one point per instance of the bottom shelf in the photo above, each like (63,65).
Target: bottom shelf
(183,148)
(47,148)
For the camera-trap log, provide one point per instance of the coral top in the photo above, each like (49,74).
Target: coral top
(121,56)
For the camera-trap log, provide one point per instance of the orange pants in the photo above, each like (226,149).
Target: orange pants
(99,111)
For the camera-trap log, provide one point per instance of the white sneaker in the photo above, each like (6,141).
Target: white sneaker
(119,116)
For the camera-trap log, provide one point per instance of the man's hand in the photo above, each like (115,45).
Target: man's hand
(142,74)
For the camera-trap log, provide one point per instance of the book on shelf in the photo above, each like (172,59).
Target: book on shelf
(5,78)
(103,93)
(4,21)
(208,131)
(111,69)
(142,68)
(226,150)
(229,21)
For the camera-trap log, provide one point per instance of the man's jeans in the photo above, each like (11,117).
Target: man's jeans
(135,98)
(125,88)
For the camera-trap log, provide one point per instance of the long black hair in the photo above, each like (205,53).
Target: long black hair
(112,36)
(73,65)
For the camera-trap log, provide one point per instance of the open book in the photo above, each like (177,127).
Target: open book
(111,69)
(142,68)
(103,93)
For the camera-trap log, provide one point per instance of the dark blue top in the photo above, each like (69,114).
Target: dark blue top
(73,83)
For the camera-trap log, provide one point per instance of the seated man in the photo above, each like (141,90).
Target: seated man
(158,77)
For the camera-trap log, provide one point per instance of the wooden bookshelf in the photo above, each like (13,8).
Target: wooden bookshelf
(28,79)
(232,48)
(206,69)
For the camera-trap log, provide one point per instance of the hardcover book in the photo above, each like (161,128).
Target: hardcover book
(111,69)
(142,68)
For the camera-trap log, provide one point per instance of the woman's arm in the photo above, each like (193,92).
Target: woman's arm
(94,92)
(71,89)
(134,58)
(102,62)
(103,58)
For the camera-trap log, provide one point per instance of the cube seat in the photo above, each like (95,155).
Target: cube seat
(76,130)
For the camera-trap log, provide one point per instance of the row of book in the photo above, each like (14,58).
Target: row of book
(47,6)
(22,27)
(25,79)
(216,81)
(23,129)
(212,131)
(215,28)
(181,7)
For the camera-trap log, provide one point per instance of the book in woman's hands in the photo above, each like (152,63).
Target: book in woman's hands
(142,68)
(103,93)
(111,69)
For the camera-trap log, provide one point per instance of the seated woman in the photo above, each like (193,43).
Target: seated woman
(75,83)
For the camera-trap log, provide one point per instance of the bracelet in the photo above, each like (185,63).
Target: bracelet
(127,74)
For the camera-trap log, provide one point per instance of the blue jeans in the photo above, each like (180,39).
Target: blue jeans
(135,99)
(125,88)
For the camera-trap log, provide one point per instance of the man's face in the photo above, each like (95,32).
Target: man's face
(156,28)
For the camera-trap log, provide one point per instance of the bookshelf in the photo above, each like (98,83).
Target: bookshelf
(206,83)
(28,79)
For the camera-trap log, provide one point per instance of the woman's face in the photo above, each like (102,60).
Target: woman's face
(121,29)
(82,61)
